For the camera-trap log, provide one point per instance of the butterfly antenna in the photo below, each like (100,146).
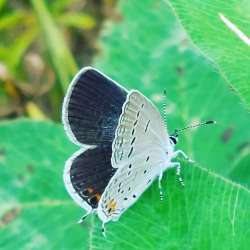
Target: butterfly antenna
(84,217)
(164,105)
(177,131)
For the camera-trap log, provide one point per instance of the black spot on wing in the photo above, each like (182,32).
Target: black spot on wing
(93,200)
(146,128)
(85,192)
(130,152)
(94,108)
(133,141)
(133,131)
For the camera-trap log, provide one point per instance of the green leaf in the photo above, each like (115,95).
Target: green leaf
(12,20)
(149,51)
(209,25)
(209,213)
(35,210)
(159,56)
(60,55)
(78,20)
(58,7)
(2,3)
(19,47)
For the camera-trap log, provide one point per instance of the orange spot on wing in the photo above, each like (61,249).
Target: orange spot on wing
(111,206)
(90,190)
(98,196)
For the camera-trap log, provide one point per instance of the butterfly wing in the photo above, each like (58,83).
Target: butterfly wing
(128,183)
(86,175)
(139,153)
(92,107)
(140,126)
(90,114)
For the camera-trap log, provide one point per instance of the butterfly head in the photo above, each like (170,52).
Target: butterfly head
(173,139)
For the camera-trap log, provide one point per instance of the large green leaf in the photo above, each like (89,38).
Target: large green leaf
(149,51)
(36,213)
(221,29)
(35,210)
(209,213)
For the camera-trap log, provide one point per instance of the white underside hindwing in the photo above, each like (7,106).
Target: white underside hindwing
(139,151)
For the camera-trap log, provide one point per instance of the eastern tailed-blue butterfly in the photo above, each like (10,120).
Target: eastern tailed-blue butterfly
(124,144)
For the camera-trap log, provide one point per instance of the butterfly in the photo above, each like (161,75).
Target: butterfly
(124,144)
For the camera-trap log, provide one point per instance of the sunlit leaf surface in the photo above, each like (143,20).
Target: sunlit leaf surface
(221,29)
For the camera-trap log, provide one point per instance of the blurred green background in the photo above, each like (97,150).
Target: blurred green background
(42,42)
(183,47)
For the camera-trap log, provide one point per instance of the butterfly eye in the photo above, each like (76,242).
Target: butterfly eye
(173,139)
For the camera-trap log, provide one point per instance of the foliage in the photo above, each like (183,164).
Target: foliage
(36,62)
(35,209)
(209,25)
(38,214)
(195,90)
(146,49)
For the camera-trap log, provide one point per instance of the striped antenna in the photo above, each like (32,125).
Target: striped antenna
(164,105)
(177,131)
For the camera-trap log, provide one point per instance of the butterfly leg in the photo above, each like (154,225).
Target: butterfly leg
(180,152)
(159,185)
(84,217)
(103,230)
(177,165)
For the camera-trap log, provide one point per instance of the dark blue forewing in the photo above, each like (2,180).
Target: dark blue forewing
(88,173)
(92,108)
